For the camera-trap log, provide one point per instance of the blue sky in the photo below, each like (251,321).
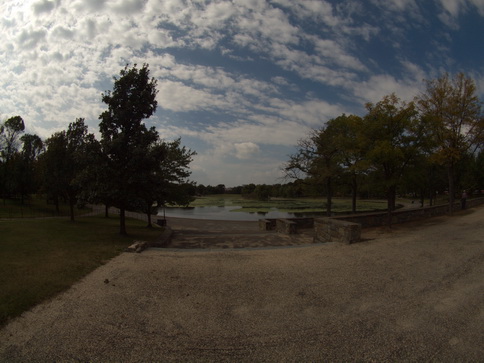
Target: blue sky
(239,81)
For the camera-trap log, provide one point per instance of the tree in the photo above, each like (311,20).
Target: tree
(79,144)
(9,143)
(64,162)
(10,132)
(454,112)
(164,179)
(346,133)
(26,178)
(316,161)
(124,137)
(392,140)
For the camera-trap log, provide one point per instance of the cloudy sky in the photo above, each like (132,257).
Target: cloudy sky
(240,81)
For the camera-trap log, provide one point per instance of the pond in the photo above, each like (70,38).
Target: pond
(225,214)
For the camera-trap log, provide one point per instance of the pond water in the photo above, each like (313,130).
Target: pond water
(225,214)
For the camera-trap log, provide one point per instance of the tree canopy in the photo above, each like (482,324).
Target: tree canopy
(398,144)
(129,168)
(453,111)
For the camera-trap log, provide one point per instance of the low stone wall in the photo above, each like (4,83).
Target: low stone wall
(267,224)
(405,215)
(285,225)
(333,230)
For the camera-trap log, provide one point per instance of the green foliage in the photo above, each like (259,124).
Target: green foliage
(64,161)
(391,140)
(125,139)
(9,136)
(454,115)
(138,169)
(10,132)
(397,145)
(164,179)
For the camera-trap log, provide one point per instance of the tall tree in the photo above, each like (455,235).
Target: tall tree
(64,161)
(345,133)
(125,138)
(54,164)
(392,140)
(26,166)
(454,110)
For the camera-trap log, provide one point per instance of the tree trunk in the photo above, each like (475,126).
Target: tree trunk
(56,202)
(390,203)
(149,219)
(450,174)
(106,210)
(122,221)
(71,209)
(329,196)
(354,190)
(431,197)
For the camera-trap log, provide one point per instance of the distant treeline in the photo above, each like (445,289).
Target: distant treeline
(259,191)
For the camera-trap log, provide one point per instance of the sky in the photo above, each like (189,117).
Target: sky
(240,81)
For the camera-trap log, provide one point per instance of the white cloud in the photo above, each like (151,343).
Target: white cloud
(212,168)
(30,38)
(43,6)
(58,56)
(176,96)
(378,86)
(452,9)
(246,150)
(128,7)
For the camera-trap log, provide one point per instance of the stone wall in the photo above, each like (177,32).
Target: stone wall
(333,230)
(282,225)
(405,215)
(286,226)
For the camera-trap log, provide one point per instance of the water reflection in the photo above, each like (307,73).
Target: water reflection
(225,214)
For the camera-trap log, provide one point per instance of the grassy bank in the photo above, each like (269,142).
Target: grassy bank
(294,205)
(42,257)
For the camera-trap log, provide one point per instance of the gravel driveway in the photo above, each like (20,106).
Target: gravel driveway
(412,294)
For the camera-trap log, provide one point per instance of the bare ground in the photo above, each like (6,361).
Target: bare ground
(414,293)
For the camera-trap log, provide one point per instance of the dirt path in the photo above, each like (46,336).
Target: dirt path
(414,294)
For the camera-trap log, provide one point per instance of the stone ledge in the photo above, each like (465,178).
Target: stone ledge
(331,230)
(137,246)
(162,241)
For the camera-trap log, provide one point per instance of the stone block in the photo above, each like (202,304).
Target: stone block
(332,230)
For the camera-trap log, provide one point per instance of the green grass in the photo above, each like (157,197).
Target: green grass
(34,207)
(294,205)
(40,258)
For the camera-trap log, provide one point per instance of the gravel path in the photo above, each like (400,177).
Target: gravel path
(412,294)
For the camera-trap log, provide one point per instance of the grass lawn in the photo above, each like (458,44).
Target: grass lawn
(41,257)
(34,207)
(294,205)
